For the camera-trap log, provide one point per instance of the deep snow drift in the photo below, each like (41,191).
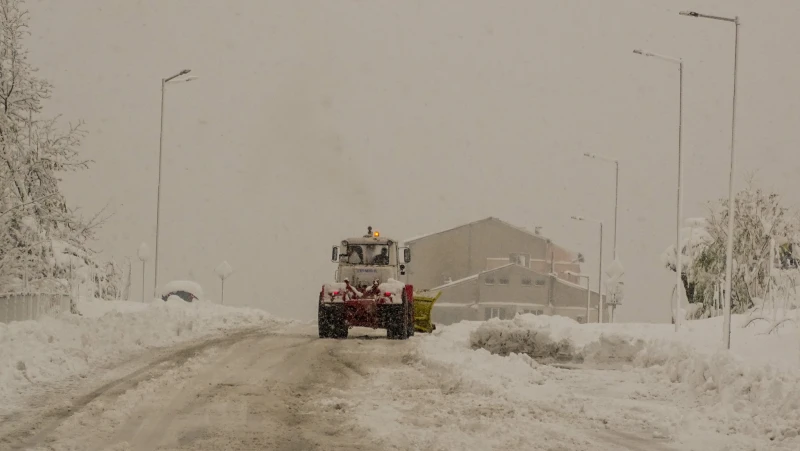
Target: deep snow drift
(52,349)
(752,390)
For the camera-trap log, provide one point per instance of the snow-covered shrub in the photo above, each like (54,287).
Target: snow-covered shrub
(759,216)
(511,337)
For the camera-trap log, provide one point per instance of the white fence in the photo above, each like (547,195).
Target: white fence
(31,306)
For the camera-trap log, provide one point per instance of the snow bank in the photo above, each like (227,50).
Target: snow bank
(479,370)
(753,389)
(96,308)
(54,348)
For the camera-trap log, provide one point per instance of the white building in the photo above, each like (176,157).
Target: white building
(490,268)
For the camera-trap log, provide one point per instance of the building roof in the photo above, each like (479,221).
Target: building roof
(490,218)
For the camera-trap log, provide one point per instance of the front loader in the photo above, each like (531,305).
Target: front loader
(367,291)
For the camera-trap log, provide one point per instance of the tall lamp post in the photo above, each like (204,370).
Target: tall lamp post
(164,82)
(678,248)
(726,308)
(600,270)
(588,294)
(616,192)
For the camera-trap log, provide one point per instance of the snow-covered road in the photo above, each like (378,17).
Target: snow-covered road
(287,390)
(247,390)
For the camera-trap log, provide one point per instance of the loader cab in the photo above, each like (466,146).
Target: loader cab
(371,250)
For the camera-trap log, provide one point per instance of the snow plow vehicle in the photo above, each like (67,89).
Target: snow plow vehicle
(367,291)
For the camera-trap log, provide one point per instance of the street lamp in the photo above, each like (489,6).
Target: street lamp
(726,308)
(616,192)
(588,294)
(164,82)
(600,270)
(679,213)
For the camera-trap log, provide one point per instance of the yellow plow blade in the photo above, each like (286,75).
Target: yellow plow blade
(423,304)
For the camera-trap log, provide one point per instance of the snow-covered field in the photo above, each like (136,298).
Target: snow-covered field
(699,394)
(52,349)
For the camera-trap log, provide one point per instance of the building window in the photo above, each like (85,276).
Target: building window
(489,280)
(495,312)
(526,281)
(540,282)
(535,312)
(503,281)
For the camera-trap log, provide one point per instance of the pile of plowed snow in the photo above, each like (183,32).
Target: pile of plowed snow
(477,370)
(753,388)
(55,348)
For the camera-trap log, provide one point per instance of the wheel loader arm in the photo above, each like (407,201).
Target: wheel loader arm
(423,304)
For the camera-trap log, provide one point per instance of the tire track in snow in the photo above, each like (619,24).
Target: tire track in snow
(250,391)
(26,429)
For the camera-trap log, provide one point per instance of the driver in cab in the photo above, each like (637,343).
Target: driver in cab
(382,258)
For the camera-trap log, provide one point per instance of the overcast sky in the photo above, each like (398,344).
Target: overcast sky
(314,119)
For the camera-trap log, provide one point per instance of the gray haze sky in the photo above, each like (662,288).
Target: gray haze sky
(314,119)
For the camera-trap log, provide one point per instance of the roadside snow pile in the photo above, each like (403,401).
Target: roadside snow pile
(478,370)
(96,308)
(548,338)
(752,389)
(55,348)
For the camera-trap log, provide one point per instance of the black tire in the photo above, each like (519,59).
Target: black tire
(331,322)
(402,323)
(411,330)
(323,323)
(342,331)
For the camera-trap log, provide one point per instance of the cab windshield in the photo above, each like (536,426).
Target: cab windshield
(367,254)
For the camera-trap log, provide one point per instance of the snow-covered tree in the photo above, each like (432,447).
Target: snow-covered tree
(759,216)
(42,241)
